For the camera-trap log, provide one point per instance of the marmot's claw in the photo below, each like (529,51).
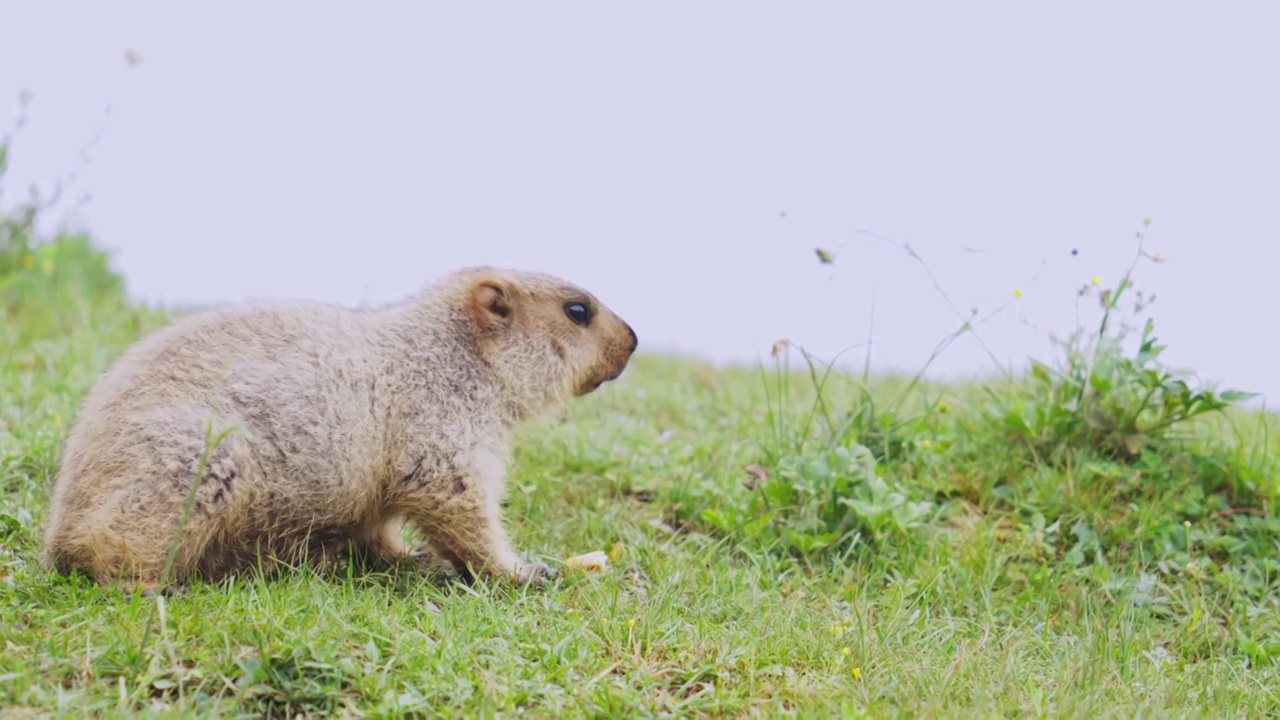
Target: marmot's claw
(536,573)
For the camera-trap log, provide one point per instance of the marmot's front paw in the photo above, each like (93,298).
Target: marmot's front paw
(536,573)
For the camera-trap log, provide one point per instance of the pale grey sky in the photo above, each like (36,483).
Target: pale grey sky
(649,152)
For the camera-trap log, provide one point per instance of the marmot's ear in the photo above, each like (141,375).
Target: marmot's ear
(490,302)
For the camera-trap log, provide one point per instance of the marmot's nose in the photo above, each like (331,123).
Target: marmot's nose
(635,342)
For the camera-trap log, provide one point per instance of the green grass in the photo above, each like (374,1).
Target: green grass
(969,551)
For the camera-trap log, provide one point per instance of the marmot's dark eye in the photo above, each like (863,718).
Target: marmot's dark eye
(578,313)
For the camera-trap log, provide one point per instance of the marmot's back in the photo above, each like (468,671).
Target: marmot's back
(239,364)
(196,355)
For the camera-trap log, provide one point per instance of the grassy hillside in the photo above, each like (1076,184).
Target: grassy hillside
(1055,545)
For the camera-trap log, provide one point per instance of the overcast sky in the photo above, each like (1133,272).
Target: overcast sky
(682,160)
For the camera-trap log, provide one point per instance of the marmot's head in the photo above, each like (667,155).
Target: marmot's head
(546,338)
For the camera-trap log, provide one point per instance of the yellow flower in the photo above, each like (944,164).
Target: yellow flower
(615,552)
(845,652)
(857,673)
(836,629)
(631,623)
(1017,293)
(1097,280)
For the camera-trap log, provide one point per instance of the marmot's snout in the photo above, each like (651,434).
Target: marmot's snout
(616,353)
(635,341)
(631,343)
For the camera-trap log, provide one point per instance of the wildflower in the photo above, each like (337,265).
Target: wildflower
(845,652)
(926,445)
(857,673)
(1017,293)
(836,629)
(1186,524)
(1097,280)
(615,552)
(631,623)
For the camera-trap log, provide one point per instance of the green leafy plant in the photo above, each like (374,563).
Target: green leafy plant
(811,502)
(1101,398)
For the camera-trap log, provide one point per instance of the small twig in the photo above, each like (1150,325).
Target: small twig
(1238,511)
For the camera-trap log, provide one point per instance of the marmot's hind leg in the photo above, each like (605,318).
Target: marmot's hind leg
(120,558)
(127,539)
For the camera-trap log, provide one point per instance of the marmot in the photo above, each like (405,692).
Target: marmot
(341,425)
